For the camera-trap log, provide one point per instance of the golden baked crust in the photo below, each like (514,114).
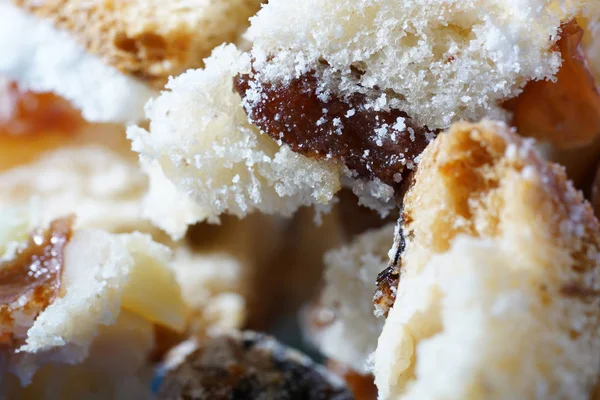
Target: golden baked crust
(150,40)
(470,178)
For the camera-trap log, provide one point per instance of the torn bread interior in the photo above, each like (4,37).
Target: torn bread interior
(501,258)
(110,57)
(200,137)
(362,100)
(62,284)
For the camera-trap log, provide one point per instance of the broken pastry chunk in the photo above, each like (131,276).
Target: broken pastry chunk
(343,324)
(431,64)
(246,365)
(200,137)
(368,96)
(31,278)
(82,168)
(111,56)
(498,294)
(62,284)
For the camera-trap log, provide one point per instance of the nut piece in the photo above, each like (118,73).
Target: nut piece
(248,365)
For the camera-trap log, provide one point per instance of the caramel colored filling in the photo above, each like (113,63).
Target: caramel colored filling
(375,143)
(31,123)
(565,112)
(362,386)
(31,280)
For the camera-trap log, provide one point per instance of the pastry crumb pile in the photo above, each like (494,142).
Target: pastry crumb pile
(317,200)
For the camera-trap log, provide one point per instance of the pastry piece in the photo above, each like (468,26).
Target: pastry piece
(84,168)
(200,137)
(369,89)
(423,66)
(498,293)
(436,62)
(109,57)
(61,284)
(343,324)
(247,365)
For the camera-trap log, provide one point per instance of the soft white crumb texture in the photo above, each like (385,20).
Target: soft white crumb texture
(498,296)
(100,187)
(437,60)
(45,59)
(200,136)
(350,276)
(481,326)
(166,206)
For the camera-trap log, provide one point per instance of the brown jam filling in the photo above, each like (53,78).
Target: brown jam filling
(565,112)
(31,280)
(367,141)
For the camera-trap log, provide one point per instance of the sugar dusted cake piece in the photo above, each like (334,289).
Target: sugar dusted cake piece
(366,92)
(498,280)
(61,284)
(200,136)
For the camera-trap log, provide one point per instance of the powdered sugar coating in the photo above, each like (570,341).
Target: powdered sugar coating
(200,137)
(436,60)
